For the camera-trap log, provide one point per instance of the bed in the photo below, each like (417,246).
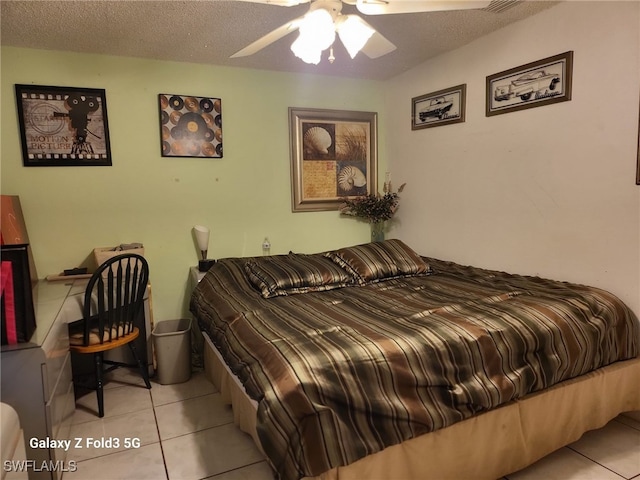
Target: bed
(372,361)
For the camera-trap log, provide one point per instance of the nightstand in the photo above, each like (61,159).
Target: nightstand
(195,277)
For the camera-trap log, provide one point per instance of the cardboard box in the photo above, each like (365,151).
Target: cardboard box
(102,254)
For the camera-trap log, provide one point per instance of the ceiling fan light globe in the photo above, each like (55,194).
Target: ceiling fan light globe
(305,51)
(317,28)
(354,34)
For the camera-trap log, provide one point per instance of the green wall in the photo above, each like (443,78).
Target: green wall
(147,198)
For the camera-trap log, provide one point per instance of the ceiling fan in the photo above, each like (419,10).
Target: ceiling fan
(318,27)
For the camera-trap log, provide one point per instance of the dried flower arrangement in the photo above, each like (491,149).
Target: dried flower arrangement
(374,208)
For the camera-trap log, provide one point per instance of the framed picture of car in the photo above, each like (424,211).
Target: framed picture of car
(439,108)
(532,85)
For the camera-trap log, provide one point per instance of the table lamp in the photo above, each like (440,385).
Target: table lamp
(202,239)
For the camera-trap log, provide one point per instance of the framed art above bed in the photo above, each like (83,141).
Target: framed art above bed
(334,155)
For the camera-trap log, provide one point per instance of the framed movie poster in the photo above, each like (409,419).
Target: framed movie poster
(333,156)
(63,126)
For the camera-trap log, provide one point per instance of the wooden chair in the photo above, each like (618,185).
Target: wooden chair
(113,306)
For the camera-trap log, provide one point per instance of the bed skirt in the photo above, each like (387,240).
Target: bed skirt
(488,446)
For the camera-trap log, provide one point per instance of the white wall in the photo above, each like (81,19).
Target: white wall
(547,191)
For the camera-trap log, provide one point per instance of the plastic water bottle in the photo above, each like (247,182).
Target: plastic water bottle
(266,246)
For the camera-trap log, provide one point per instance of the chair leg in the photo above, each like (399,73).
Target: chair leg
(99,392)
(142,366)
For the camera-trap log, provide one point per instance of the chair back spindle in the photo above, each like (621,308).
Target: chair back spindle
(114,298)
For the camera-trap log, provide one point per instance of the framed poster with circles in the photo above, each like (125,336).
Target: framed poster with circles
(190,126)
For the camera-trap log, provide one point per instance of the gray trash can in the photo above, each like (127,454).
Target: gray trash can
(172,343)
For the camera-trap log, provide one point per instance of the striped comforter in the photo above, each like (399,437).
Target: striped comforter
(342,374)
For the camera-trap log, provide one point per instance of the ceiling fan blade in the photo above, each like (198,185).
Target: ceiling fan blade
(385,7)
(269,38)
(377,46)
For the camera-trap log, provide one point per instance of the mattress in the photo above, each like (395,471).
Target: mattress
(493,444)
(339,374)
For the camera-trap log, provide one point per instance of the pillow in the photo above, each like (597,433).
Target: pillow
(376,261)
(295,273)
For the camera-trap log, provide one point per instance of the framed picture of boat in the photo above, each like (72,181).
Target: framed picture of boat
(443,107)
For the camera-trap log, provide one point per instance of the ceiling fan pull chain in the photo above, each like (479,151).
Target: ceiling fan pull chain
(331,57)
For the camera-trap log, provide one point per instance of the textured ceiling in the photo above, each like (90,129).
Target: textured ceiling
(210,31)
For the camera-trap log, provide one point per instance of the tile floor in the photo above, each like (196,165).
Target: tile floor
(185,432)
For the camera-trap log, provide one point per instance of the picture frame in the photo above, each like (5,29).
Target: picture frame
(534,84)
(63,126)
(442,107)
(334,156)
(638,157)
(190,126)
